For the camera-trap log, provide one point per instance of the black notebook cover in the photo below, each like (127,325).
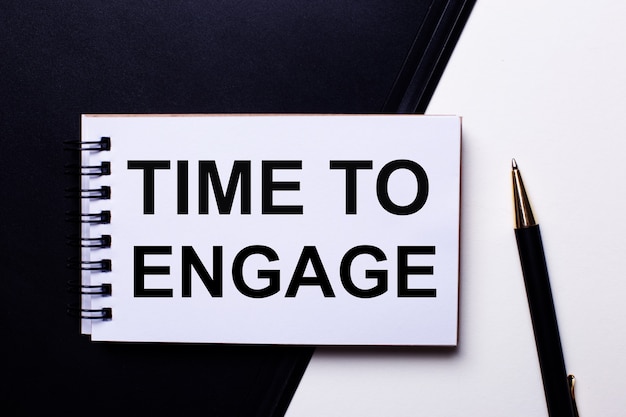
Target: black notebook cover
(63,58)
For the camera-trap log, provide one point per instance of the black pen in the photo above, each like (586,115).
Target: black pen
(557,385)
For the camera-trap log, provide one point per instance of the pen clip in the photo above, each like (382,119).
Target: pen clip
(571,382)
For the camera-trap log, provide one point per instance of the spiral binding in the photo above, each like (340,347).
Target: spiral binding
(96,170)
(91,170)
(104,217)
(103,265)
(102,242)
(102,193)
(104,144)
(75,286)
(105,313)
(90,243)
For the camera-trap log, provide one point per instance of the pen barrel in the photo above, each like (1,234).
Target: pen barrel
(544,321)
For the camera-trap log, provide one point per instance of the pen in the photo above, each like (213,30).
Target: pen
(558,386)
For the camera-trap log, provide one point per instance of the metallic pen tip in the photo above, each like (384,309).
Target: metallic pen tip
(523,212)
(514,163)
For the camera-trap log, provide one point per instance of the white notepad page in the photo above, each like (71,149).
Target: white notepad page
(334,230)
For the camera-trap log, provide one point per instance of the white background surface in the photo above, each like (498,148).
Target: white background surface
(544,82)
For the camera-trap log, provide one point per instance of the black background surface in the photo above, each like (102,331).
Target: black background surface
(59,59)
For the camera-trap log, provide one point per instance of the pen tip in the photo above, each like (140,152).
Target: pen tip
(514,164)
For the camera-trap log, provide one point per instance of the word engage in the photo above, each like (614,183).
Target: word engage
(309,256)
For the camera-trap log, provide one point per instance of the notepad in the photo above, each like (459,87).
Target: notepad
(270,229)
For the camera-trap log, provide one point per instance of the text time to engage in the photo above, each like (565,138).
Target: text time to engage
(240,177)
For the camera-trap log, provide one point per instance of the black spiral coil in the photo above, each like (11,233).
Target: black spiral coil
(104,144)
(89,243)
(105,313)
